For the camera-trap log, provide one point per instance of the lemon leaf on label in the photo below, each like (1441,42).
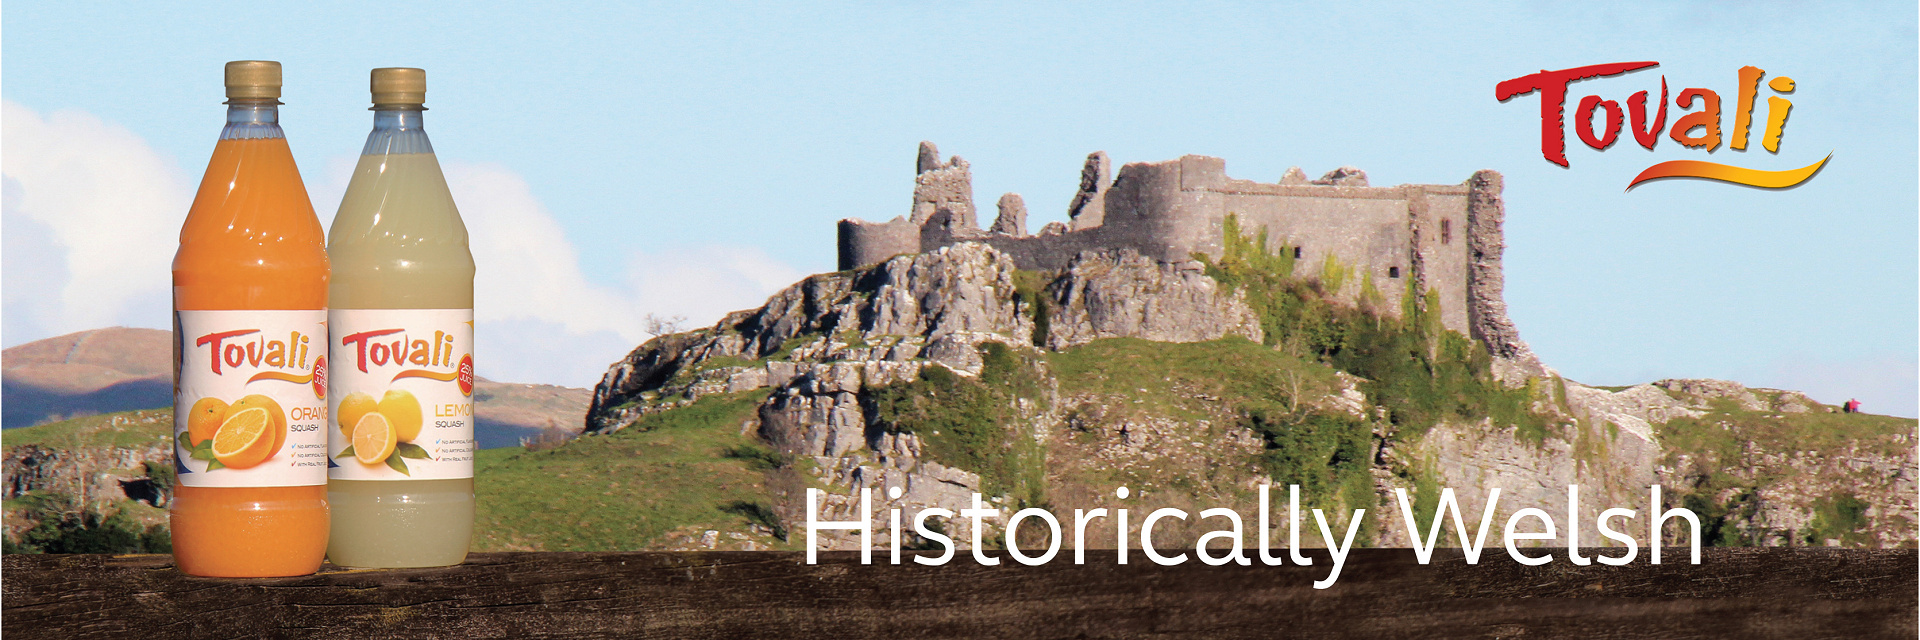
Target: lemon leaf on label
(215,464)
(185,441)
(204,452)
(410,450)
(346,453)
(397,464)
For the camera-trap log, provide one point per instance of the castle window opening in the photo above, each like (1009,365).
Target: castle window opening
(1446,231)
(1296,253)
(1393,272)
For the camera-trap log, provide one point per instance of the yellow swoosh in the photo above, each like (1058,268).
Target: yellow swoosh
(1728,173)
(449,376)
(283,377)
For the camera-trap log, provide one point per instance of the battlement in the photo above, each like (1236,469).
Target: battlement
(1411,239)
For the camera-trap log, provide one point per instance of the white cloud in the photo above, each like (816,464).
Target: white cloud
(92,217)
(565,326)
(702,283)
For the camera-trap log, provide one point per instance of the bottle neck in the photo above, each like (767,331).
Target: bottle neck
(397,129)
(252,120)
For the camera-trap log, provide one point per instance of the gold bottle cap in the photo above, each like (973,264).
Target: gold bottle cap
(399,85)
(253,79)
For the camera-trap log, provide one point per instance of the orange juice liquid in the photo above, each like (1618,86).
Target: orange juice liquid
(250,242)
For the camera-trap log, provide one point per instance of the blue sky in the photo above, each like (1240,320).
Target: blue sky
(686,160)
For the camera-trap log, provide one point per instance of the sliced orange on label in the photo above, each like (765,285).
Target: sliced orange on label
(276,416)
(373,438)
(245,439)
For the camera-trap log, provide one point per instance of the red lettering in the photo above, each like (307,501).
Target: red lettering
(214,339)
(1637,105)
(359,340)
(1552,86)
(1584,118)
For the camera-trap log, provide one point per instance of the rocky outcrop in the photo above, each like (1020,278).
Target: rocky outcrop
(1613,468)
(1344,177)
(936,306)
(933,306)
(820,350)
(1120,293)
(1013,216)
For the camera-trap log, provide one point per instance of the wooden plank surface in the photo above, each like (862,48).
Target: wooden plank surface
(1750,593)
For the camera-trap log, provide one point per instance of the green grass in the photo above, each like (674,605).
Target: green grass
(1168,376)
(972,422)
(97,431)
(1725,430)
(62,525)
(1031,288)
(1262,388)
(678,470)
(1720,438)
(1839,516)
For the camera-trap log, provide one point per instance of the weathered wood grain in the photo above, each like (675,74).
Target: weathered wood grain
(1751,593)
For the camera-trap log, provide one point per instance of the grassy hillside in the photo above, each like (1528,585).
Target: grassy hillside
(658,484)
(1737,457)
(66,511)
(125,429)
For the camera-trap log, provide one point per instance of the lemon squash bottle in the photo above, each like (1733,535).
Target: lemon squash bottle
(401,474)
(250,371)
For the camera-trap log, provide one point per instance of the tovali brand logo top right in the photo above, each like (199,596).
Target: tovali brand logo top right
(1695,130)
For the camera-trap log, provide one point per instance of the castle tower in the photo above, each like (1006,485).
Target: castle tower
(1089,207)
(943,191)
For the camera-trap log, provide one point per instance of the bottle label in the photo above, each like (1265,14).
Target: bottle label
(250,398)
(403,394)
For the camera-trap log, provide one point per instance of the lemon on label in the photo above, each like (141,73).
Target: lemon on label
(403,411)
(245,439)
(353,407)
(204,419)
(373,439)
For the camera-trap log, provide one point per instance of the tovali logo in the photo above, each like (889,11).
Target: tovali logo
(1696,130)
(1231,535)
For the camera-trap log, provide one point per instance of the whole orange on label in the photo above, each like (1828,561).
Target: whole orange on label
(204,419)
(245,439)
(373,439)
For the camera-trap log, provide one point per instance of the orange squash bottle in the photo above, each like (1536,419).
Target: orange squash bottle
(250,346)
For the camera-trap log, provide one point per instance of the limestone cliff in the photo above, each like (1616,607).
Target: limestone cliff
(1124,370)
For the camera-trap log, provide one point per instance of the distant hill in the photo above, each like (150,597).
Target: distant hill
(122,369)
(85,373)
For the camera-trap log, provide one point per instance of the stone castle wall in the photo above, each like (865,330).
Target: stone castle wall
(1400,240)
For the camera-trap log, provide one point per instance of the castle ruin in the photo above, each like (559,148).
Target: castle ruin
(1403,240)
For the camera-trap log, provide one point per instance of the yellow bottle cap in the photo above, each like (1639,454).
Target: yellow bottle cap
(253,79)
(399,85)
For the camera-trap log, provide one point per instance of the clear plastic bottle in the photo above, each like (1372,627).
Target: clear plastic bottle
(402,336)
(250,300)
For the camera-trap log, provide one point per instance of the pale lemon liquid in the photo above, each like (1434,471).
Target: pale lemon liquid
(398,243)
